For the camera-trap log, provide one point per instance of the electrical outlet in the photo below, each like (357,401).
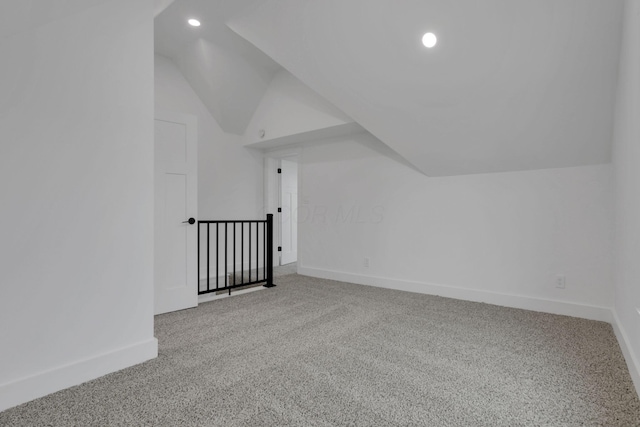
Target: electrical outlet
(561,282)
(638,310)
(366,263)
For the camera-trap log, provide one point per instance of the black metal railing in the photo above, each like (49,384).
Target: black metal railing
(226,245)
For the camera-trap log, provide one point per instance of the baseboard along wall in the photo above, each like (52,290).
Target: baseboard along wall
(590,312)
(633,363)
(41,384)
(507,300)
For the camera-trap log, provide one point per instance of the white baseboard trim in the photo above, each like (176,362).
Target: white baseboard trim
(43,383)
(507,300)
(629,356)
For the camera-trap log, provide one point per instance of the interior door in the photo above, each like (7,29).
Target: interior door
(176,191)
(288,216)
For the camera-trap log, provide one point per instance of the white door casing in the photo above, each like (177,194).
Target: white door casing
(288,216)
(176,193)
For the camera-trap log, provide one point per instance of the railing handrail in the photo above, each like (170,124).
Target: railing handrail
(231,221)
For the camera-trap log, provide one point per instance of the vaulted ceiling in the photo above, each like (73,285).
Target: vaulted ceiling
(229,74)
(511,84)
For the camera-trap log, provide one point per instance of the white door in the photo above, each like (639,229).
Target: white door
(176,192)
(288,216)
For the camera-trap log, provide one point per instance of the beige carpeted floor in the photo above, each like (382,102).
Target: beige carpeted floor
(312,352)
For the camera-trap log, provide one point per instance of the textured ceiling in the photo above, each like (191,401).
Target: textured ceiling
(511,85)
(229,74)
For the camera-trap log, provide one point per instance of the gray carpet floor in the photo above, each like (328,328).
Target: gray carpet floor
(313,352)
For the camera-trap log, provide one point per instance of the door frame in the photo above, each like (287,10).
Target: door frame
(294,209)
(272,187)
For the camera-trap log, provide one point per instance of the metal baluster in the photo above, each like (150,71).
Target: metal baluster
(242,253)
(217,249)
(226,249)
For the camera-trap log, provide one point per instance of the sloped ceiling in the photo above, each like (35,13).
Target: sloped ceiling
(229,74)
(511,85)
(289,109)
(160,5)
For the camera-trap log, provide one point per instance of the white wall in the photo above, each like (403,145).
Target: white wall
(626,160)
(499,238)
(76,179)
(229,175)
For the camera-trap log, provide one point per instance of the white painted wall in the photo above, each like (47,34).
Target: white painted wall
(229,175)
(289,107)
(76,179)
(626,161)
(500,238)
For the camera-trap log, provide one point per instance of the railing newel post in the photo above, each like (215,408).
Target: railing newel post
(198,255)
(269,265)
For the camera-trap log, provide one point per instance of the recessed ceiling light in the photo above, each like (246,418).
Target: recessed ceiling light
(429,40)
(194,22)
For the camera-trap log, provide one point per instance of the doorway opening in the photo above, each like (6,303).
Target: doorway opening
(281,187)
(288,211)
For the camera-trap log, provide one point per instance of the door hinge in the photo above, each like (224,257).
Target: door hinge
(279,248)
(279,209)
(279,170)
